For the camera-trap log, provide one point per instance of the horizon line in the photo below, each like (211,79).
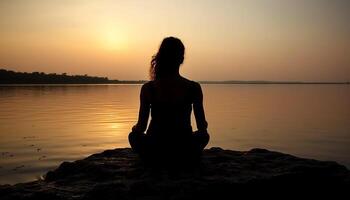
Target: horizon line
(231,81)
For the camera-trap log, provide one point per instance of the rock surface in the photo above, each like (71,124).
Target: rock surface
(120,174)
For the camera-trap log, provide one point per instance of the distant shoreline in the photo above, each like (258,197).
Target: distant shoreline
(10,78)
(268,82)
(201,82)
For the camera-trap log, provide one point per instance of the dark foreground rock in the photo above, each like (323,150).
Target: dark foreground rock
(222,174)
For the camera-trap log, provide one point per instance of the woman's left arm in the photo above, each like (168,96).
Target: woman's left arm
(144,111)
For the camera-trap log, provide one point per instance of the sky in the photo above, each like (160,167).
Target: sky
(296,40)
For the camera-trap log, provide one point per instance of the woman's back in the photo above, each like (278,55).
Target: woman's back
(171,105)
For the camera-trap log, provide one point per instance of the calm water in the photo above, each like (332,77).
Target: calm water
(41,126)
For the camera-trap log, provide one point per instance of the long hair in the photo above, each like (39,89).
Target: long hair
(168,59)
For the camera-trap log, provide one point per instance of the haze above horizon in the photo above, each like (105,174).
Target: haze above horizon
(225,40)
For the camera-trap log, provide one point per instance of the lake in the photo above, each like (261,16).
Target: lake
(43,125)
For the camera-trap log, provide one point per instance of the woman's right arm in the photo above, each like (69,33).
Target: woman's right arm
(198,109)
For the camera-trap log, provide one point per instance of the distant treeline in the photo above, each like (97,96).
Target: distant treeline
(12,77)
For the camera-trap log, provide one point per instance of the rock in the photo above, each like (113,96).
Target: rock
(120,174)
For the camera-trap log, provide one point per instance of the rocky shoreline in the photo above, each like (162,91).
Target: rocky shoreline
(120,174)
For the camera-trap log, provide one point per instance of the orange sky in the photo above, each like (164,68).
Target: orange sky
(225,40)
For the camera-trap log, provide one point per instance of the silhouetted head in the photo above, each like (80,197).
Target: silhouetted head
(168,59)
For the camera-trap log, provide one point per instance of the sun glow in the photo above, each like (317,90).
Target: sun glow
(114,126)
(113,39)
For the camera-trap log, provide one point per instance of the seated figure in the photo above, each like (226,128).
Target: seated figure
(169,98)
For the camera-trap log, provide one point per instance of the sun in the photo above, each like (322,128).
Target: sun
(113,39)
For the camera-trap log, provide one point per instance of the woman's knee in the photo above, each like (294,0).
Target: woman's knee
(202,137)
(131,137)
(206,138)
(138,141)
(134,138)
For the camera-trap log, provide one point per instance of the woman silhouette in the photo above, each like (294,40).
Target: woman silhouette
(170,98)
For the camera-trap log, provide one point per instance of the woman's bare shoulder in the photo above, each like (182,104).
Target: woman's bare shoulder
(145,89)
(193,86)
(147,85)
(190,82)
